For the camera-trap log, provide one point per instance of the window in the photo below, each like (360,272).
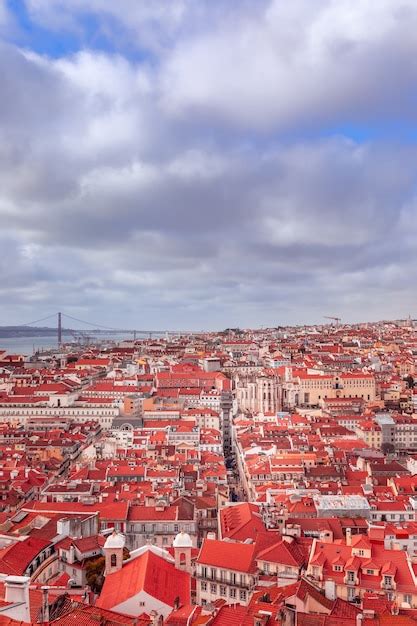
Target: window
(203,586)
(113,560)
(351,577)
(213,588)
(242,594)
(232,593)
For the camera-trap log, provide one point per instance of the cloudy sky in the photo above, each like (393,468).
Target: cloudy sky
(197,164)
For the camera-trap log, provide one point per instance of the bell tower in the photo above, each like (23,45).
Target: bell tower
(113,553)
(182,551)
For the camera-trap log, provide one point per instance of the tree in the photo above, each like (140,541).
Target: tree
(95,571)
(95,574)
(388,448)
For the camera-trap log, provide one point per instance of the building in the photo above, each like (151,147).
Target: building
(147,582)
(225,570)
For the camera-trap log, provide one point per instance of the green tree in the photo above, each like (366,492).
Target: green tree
(95,571)
(95,574)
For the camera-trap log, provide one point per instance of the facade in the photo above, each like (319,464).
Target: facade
(359,567)
(159,526)
(147,582)
(259,394)
(225,570)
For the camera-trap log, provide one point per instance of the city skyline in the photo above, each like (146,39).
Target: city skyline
(204,165)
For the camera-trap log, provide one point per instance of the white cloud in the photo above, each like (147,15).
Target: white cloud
(298,63)
(162,188)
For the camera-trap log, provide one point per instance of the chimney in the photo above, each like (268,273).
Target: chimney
(45,606)
(17,592)
(154,615)
(63,526)
(348,536)
(326,536)
(71,557)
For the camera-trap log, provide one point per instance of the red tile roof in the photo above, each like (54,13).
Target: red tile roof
(148,572)
(239,557)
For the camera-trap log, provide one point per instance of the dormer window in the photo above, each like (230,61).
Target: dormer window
(337,568)
(350,576)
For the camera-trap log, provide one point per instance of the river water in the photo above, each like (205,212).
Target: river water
(28,345)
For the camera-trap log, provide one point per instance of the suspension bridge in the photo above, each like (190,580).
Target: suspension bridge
(95,329)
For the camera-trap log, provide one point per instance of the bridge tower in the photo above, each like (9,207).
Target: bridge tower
(59,328)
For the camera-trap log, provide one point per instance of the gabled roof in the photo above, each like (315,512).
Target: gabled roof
(17,557)
(148,572)
(83,615)
(283,552)
(229,615)
(241,521)
(228,555)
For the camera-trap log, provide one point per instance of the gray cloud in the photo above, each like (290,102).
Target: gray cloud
(146,193)
(298,65)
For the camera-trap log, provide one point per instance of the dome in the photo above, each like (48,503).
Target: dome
(115,540)
(182,540)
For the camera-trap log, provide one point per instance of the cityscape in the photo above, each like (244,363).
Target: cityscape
(208,320)
(248,476)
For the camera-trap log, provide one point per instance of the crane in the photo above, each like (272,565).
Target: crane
(335,319)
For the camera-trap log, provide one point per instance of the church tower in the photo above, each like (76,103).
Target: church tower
(182,551)
(113,552)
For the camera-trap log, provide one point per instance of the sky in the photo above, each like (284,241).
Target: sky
(200,164)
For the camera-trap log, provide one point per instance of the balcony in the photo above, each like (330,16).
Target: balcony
(204,524)
(249,586)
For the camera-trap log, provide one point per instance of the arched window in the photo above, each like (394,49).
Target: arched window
(113,560)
